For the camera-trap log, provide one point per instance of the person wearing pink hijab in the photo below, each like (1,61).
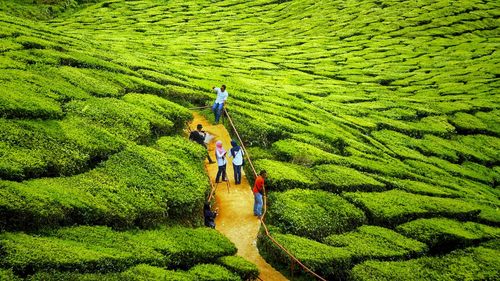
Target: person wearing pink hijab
(220,154)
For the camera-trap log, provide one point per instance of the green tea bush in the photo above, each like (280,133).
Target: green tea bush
(491,119)
(172,111)
(144,272)
(212,272)
(374,242)
(88,81)
(124,119)
(284,176)
(138,186)
(302,153)
(441,233)
(436,125)
(338,179)
(74,276)
(395,206)
(312,213)
(265,136)
(423,188)
(327,261)
(240,266)
(467,123)
(33,148)
(18,100)
(100,249)
(469,264)
(8,275)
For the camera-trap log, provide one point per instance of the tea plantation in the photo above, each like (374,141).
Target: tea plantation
(378,122)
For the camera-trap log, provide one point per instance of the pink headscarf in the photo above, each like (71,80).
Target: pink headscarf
(219,147)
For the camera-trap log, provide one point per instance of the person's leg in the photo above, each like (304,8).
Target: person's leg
(224,175)
(255,204)
(218,112)
(238,174)
(219,173)
(208,154)
(258,203)
(234,172)
(214,110)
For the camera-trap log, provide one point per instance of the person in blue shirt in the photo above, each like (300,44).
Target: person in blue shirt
(219,101)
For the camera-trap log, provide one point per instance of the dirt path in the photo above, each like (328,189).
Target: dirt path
(235,220)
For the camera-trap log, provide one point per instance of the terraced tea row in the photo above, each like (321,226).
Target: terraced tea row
(391,105)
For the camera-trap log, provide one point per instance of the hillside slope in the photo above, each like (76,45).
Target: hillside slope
(392,106)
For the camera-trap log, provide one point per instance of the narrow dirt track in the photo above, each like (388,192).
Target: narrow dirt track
(235,220)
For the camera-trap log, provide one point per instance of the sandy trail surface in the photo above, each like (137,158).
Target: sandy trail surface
(235,202)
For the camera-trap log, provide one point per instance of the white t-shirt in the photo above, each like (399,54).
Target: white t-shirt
(221,158)
(238,157)
(221,96)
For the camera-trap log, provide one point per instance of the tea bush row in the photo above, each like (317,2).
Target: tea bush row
(284,176)
(395,206)
(478,263)
(138,186)
(374,242)
(143,272)
(440,233)
(93,130)
(314,214)
(100,249)
(339,253)
(35,148)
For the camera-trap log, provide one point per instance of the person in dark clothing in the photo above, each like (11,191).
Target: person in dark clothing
(199,137)
(209,216)
(237,155)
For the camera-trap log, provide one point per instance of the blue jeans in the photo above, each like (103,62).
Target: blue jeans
(217,109)
(237,174)
(257,206)
(221,172)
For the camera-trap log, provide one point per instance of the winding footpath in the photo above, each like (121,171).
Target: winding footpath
(235,220)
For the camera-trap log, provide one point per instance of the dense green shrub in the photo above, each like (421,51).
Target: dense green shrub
(138,186)
(144,272)
(21,100)
(469,264)
(88,81)
(240,266)
(74,276)
(48,148)
(213,272)
(467,123)
(170,110)
(338,179)
(8,275)
(327,261)
(396,206)
(283,176)
(441,233)
(374,242)
(302,153)
(419,187)
(100,249)
(312,213)
(124,119)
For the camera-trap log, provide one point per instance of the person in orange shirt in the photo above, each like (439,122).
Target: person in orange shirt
(258,192)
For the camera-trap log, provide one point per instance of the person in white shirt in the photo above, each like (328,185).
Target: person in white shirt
(219,101)
(237,154)
(220,154)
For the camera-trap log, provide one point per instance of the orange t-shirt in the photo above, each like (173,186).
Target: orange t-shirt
(259,184)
